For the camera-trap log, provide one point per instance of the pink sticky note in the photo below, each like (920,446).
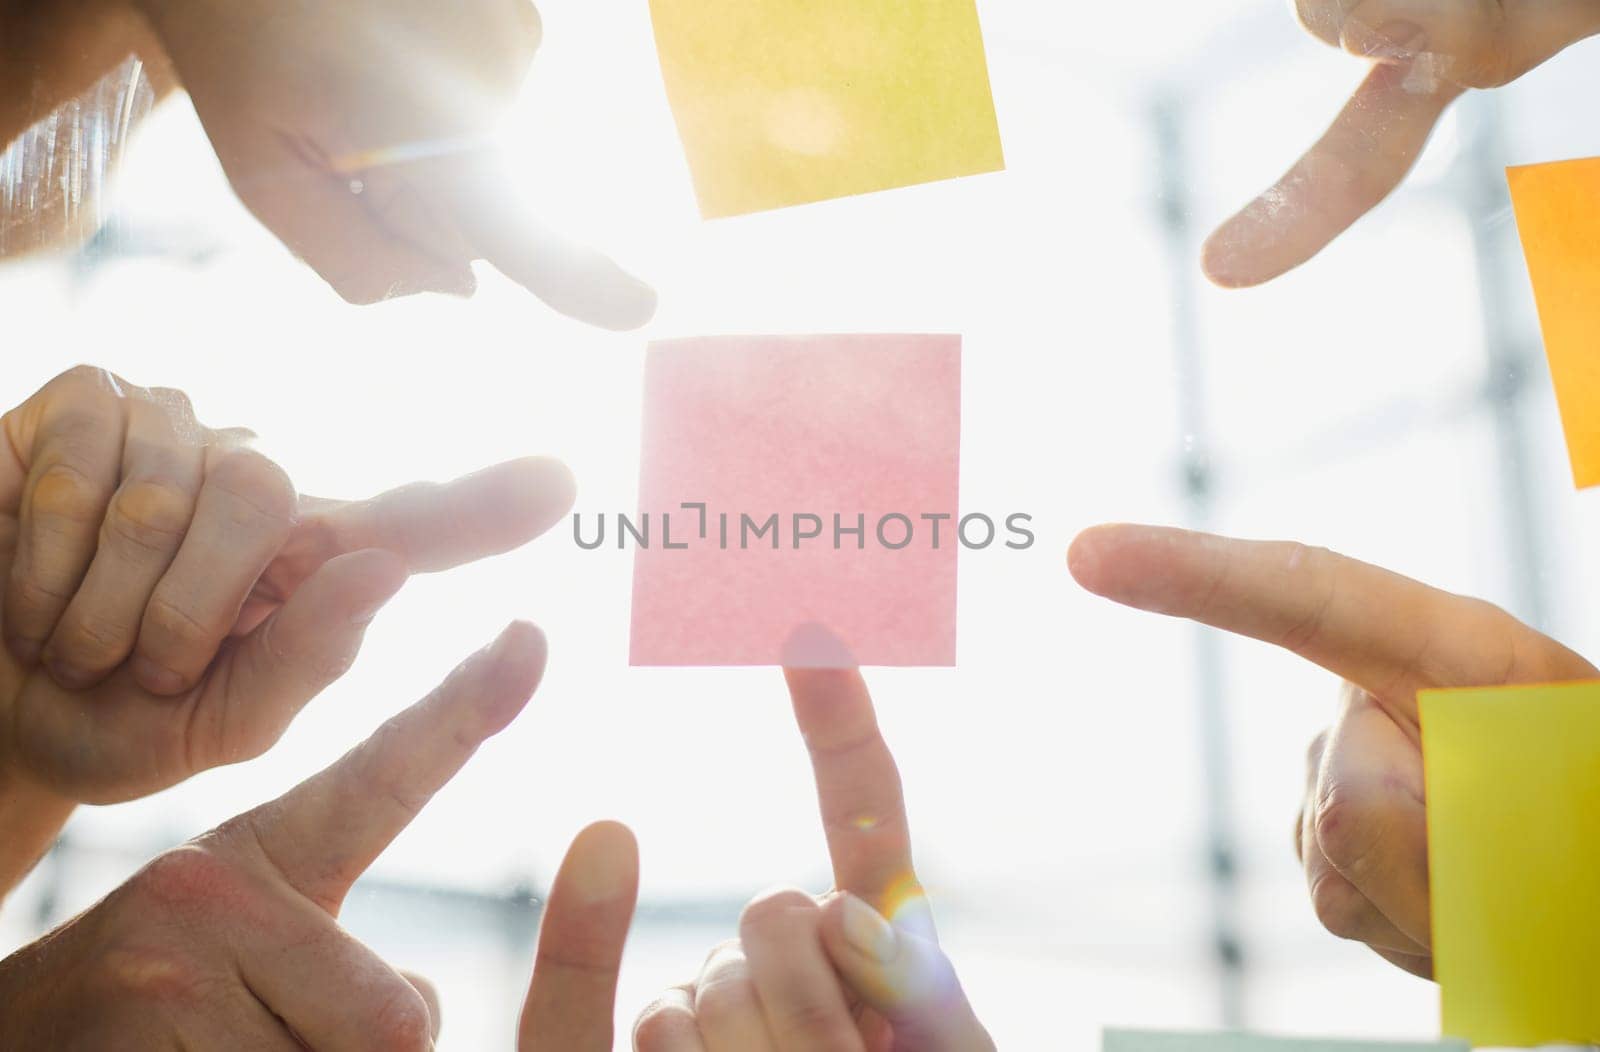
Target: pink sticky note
(791,444)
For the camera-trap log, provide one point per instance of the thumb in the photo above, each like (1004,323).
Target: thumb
(904,977)
(265,678)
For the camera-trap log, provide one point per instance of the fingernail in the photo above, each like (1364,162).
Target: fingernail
(156,678)
(867,931)
(1393,40)
(507,643)
(502,642)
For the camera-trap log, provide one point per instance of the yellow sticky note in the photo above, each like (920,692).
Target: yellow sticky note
(1513,791)
(781,103)
(1558,215)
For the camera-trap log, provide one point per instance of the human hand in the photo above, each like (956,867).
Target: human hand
(1426,54)
(1362,832)
(231,941)
(356,132)
(186,602)
(831,973)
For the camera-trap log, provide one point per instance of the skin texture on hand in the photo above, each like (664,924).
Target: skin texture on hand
(171,603)
(1426,53)
(358,132)
(1362,832)
(232,941)
(857,970)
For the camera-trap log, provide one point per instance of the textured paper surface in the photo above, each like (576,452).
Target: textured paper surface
(779,103)
(1558,216)
(1513,789)
(1177,1041)
(852,426)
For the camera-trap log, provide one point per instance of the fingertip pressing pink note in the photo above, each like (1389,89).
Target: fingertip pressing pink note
(803,495)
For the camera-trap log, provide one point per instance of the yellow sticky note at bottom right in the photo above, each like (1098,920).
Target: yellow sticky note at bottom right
(1513,798)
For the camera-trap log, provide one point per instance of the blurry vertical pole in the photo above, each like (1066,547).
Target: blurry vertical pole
(1510,364)
(1182,273)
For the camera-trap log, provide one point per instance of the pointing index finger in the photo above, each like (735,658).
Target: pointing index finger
(858,788)
(431,526)
(324,833)
(1363,156)
(570,278)
(1386,633)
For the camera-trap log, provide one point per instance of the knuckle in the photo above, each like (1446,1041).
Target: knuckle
(1306,629)
(177,404)
(150,516)
(156,973)
(1339,907)
(401,1022)
(64,492)
(260,486)
(727,949)
(83,377)
(377,761)
(1490,613)
(31,596)
(331,666)
(173,627)
(722,1002)
(190,880)
(1350,822)
(823,1025)
(654,1028)
(776,908)
(96,640)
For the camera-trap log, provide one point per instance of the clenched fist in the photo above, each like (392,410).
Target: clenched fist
(170,603)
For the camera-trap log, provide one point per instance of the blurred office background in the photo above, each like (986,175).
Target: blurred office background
(1102,800)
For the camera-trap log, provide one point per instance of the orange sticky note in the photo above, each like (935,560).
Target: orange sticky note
(781,103)
(1558,215)
(799,494)
(1513,798)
